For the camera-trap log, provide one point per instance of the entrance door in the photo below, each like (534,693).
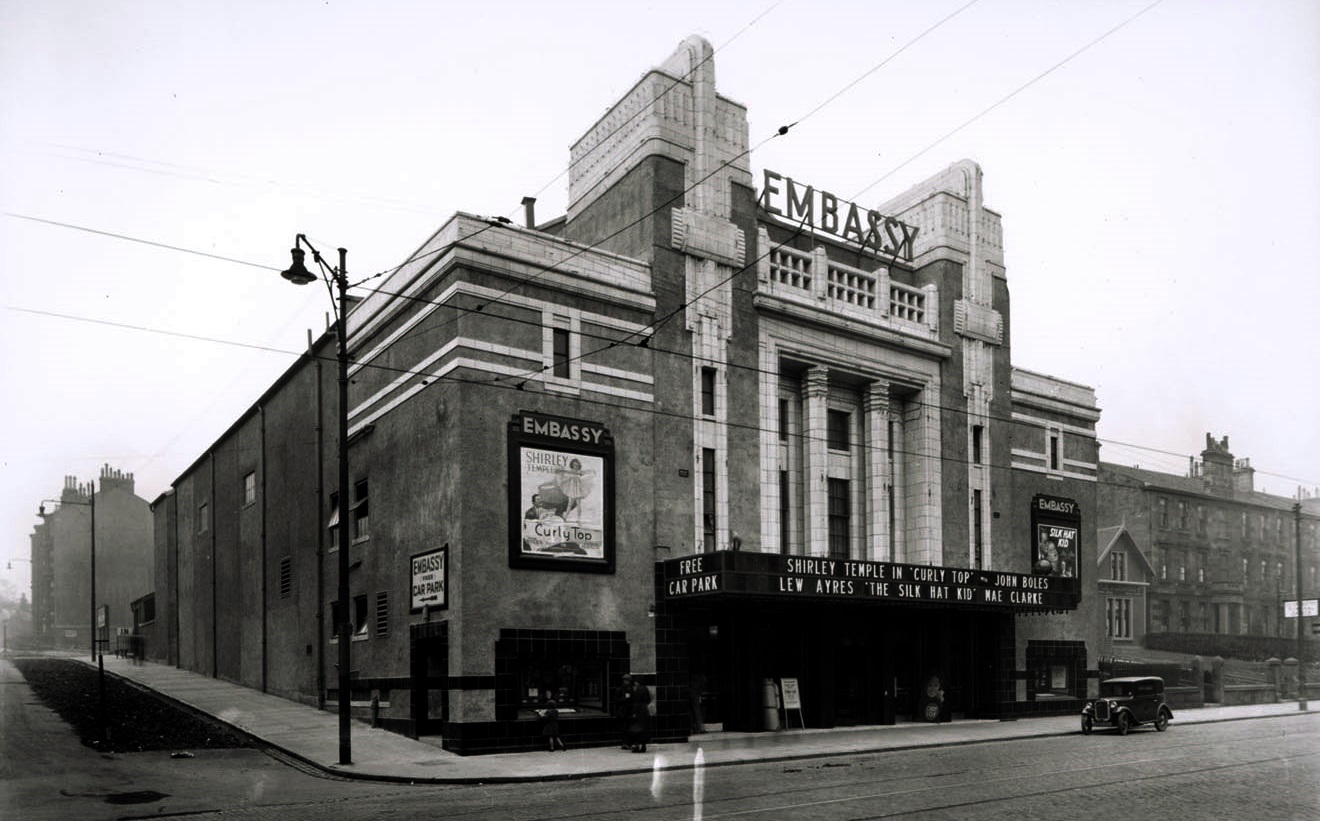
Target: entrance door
(429,669)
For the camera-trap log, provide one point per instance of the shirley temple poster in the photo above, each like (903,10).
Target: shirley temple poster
(561,495)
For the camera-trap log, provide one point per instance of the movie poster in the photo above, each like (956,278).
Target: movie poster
(562,498)
(1058,546)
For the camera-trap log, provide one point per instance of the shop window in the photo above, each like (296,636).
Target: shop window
(707,391)
(839,516)
(575,683)
(361,511)
(249,487)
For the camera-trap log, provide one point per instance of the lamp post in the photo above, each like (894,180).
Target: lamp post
(1301,642)
(90,503)
(299,275)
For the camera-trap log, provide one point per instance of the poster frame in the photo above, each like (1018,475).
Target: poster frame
(576,437)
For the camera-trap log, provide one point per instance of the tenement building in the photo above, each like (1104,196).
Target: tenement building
(762,448)
(92,556)
(1204,554)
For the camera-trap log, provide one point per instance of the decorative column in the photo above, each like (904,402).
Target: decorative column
(875,410)
(815,391)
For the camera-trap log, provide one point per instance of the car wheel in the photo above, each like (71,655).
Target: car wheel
(1087,723)
(1162,721)
(1124,723)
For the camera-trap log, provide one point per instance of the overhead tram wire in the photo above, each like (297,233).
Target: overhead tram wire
(864,447)
(524,377)
(781,131)
(1006,98)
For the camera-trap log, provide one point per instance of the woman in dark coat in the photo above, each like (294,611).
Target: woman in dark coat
(639,718)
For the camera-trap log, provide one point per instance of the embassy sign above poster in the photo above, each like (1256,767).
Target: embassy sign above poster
(561,494)
(875,232)
(777,576)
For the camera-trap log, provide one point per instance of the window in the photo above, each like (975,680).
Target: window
(1182,567)
(559,356)
(838,513)
(570,680)
(1055,457)
(1244,524)
(978,434)
(1200,573)
(1200,519)
(836,429)
(708,499)
(336,618)
(249,487)
(333,524)
(783,420)
(286,577)
(707,391)
(1182,514)
(203,518)
(978,531)
(785,510)
(1118,566)
(1246,571)
(382,613)
(1162,512)
(359,617)
(361,512)
(1184,616)
(1119,612)
(1263,571)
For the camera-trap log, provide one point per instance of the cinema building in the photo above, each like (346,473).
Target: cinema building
(763,448)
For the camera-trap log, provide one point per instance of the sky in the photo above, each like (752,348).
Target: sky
(1157,167)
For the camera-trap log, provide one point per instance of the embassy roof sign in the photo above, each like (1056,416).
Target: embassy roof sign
(873,231)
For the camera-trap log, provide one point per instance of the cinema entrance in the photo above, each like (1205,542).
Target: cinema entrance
(865,642)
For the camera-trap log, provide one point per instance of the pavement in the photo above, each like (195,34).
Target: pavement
(312,736)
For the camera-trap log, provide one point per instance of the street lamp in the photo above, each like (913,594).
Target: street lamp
(1301,642)
(299,275)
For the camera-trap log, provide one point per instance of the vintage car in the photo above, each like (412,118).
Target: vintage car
(1126,702)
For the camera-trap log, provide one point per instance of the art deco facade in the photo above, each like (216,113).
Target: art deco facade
(734,436)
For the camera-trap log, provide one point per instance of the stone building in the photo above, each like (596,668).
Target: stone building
(764,450)
(1204,552)
(63,612)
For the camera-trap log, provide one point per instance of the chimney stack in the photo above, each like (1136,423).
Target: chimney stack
(529,209)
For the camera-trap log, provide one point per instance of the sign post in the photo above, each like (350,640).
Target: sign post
(792,700)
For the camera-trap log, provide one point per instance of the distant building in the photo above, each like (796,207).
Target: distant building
(744,446)
(1203,552)
(62,607)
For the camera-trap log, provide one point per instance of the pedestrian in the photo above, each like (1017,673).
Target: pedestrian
(623,709)
(639,721)
(550,726)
